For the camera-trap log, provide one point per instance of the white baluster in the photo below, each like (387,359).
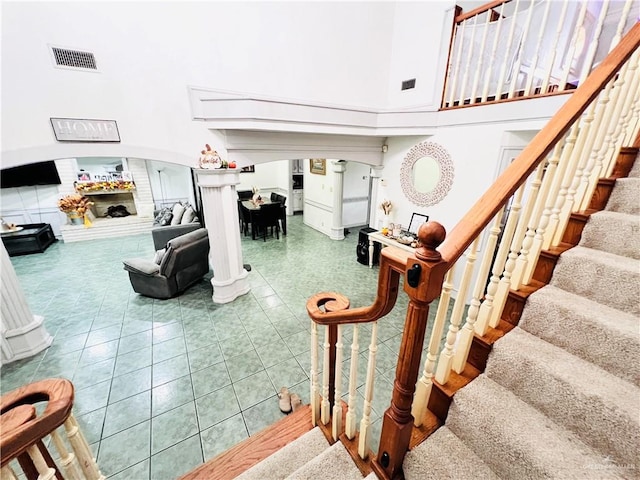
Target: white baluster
(453,78)
(632,124)
(336,424)
(604,136)
(494,49)
(325,407)
(350,426)
(81,448)
(467,67)
(534,63)
(527,241)
(315,393)
(67,459)
(466,334)
(423,388)
(44,471)
(554,48)
(630,100)
(510,236)
(505,59)
(480,56)
(593,46)
(572,47)
(540,218)
(7,473)
(572,177)
(365,424)
(445,362)
(516,68)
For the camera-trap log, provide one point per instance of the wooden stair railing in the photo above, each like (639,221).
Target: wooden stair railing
(23,432)
(425,271)
(486,62)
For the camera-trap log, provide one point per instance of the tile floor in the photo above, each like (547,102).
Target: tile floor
(163,385)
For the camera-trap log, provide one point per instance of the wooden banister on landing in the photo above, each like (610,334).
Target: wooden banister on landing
(477,11)
(479,216)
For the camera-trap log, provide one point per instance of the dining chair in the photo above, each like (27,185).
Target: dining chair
(245,194)
(267,217)
(245,218)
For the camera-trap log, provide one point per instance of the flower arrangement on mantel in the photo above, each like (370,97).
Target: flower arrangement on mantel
(110,185)
(210,160)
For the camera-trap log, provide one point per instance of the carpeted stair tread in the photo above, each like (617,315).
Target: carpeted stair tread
(516,440)
(371,476)
(598,407)
(289,458)
(334,463)
(625,196)
(439,457)
(613,232)
(601,335)
(601,276)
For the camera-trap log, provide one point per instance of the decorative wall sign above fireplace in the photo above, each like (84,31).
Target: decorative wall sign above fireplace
(85,130)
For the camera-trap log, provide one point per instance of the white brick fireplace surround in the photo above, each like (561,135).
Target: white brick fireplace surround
(139,203)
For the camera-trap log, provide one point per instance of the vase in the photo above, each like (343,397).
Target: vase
(75,218)
(386,221)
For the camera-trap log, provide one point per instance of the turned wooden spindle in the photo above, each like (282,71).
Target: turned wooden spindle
(424,276)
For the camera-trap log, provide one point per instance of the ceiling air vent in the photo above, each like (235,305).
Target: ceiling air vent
(65,57)
(407,84)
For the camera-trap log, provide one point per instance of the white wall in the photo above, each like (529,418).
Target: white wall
(169,183)
(318,198)
(268,177)
(149,52)
(355,194)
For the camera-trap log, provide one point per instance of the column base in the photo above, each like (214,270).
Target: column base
(25,341)
(228,290)
(337,233)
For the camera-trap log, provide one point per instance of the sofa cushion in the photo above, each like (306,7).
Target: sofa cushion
(141,266)
(178,211)
(163,217)
(188,215)
(159,256)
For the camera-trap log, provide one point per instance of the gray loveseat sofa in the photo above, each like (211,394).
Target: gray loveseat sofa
(185,261)
(172,222)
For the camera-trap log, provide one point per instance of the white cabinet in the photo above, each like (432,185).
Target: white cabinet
(298,201)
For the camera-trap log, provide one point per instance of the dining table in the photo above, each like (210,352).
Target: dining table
(253,208)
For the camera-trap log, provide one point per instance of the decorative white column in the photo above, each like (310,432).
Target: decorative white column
(337,228)
(376,174)
(220,205)
(22,333)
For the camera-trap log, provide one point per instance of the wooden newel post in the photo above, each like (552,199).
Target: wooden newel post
(423,282)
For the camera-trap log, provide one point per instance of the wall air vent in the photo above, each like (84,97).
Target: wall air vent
(407,84)
(65,57)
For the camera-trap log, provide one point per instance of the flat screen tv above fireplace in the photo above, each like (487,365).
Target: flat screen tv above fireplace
(41,173)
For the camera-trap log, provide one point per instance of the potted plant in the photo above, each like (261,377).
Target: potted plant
(76,207)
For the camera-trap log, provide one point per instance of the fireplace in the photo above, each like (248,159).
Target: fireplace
(103,200)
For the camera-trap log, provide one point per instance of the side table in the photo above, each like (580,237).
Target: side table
(33,238)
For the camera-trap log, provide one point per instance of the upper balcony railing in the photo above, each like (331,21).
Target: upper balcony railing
(524,48)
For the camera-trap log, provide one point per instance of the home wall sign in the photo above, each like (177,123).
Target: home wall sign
(85,130)
(426,174)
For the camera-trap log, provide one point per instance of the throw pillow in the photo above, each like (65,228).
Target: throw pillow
(159,255)
(178,211)
(165,216)
(188,216)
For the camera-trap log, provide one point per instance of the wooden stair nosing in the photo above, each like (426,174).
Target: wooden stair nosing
(249,452)
(441,395)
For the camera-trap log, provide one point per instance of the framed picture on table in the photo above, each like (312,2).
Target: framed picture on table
(249,169)
(417,219)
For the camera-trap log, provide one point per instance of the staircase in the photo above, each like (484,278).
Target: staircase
(560,396)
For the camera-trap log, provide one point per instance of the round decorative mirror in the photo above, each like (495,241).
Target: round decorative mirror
(426,174)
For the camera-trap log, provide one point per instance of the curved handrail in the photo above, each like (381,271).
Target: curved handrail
(481,213)
(58,392)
